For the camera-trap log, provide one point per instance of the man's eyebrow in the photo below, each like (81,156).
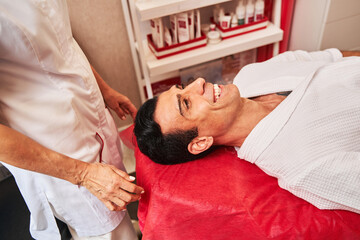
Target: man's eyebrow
(179,103)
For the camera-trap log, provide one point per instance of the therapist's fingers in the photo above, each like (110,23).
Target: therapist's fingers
(128,186)
(120,200)
(120,103)
(116,203)
(112,206)
(110,185)
(120,113)
(128,108)
(119,207)
(125,108)
(131,109)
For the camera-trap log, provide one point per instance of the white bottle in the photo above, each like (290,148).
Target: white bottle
(221,15)
(154,35)
(216,12)
(240,12)
(160,31)
(183,27)
(250,11)
(191,24)
(167,37)
(234,20)
(197,24)
(225,21)
(173,24)
(259,10)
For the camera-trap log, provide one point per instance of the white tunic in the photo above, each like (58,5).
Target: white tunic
(311,141)
(49,93)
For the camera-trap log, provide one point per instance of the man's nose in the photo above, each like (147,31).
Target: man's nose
(196,87)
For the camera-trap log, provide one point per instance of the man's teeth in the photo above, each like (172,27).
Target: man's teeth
(217,92)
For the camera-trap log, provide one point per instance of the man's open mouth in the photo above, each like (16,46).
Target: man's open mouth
(217,92)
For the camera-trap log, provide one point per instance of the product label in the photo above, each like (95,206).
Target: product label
(152,23)
(259,17)
(241,21)
(251,19)
(224,24)
(182,24)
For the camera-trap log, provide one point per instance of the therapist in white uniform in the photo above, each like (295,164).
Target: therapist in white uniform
(57,137)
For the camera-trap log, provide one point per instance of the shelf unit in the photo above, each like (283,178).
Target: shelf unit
(149,69)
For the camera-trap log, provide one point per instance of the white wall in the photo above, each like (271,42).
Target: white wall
(99,28)
(321,24)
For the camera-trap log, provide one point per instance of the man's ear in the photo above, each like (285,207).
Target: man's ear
(200,144)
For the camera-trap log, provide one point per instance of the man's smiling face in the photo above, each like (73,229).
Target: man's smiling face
(200,105)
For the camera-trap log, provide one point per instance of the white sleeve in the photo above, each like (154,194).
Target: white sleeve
(283,72)
(328,55)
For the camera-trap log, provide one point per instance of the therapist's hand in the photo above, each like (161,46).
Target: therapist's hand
(119,103)
(110,185)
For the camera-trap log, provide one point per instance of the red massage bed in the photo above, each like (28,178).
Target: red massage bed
(224,197)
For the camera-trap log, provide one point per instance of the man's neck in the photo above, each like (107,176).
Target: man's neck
(253,111)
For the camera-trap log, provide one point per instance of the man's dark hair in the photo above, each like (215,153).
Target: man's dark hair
(165,149)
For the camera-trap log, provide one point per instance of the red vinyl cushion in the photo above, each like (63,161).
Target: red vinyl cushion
(224,197)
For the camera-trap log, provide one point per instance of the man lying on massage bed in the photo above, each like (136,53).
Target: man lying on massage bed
(309,140)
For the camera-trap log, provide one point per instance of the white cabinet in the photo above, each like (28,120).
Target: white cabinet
(149,69)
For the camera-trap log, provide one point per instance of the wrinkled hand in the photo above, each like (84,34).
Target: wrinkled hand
(120,104)
(110,185)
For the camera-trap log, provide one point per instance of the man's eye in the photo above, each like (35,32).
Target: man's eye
(179,86)
(186,103)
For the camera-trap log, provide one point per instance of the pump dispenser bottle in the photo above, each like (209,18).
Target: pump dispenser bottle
(250,11)
(240,12)
(259,10)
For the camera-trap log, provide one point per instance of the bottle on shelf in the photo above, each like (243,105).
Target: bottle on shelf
(173,24)
(240,12)
(221,14)
(234,20)
(216,12)
(167,37)
(160,31)
(259,10)
(183,27)
(191,24)
(154,35)
(250,11)
(157,32)
(197,24)
(225,21)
